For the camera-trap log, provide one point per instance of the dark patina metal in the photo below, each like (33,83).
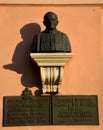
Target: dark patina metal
(51,40)
(20,111)
(75,110)
(50,110)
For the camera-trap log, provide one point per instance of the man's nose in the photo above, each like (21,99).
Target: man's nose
(50,21)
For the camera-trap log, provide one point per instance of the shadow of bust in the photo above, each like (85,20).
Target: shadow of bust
(21,61)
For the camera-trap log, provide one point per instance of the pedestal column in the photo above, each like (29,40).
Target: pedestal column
(51,68)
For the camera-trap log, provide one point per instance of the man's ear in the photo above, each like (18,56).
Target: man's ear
(57,22)
(44,23)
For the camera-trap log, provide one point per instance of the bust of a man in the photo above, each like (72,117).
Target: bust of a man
(50,40)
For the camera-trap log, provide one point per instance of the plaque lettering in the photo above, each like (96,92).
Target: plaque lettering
(18,111)
(75,110)
(50,110)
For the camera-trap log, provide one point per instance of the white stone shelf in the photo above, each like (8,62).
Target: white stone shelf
(51,68)
(51,59)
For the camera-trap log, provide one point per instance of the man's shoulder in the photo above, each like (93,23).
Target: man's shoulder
(42,33)
(38,35)
(62,33)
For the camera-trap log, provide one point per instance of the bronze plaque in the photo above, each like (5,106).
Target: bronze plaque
(75,110)
(23,112)
(50,110)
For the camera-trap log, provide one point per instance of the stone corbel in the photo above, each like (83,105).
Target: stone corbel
(51,68)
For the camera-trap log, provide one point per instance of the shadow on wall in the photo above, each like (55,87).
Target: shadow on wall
(21,61)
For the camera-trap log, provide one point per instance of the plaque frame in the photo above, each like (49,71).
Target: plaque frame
(50,110)
(21,109)
(91,109)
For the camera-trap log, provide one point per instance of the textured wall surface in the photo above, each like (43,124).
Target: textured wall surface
(83,75)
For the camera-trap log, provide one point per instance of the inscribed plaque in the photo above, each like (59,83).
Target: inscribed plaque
(24,112)
(50,110)
(75,110)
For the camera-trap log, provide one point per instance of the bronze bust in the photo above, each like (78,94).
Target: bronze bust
(50,40)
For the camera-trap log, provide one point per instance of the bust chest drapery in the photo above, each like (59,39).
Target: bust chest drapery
(54,41)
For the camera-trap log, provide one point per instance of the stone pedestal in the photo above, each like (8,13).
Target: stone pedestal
(51,67)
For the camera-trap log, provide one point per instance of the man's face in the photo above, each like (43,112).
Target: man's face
(51,21)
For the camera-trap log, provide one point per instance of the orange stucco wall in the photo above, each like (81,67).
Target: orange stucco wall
(82,75)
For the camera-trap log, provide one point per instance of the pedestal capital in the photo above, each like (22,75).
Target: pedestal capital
(51,59)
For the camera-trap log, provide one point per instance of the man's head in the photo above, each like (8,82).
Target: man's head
(50,20)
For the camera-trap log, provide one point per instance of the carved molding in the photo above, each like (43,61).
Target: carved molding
(51,59)
(51,67)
